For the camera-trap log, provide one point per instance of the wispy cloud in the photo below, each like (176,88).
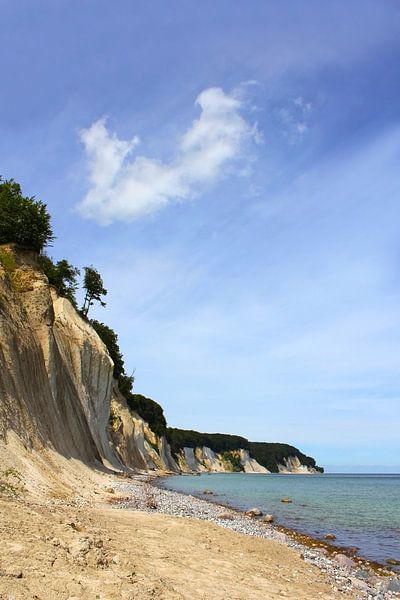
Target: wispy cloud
(294,119)
(125,187)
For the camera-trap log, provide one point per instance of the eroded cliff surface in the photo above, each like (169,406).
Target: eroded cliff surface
(56,379)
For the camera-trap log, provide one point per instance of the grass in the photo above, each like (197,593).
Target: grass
(10,482)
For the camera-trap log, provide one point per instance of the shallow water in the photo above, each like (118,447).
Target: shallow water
(361,510)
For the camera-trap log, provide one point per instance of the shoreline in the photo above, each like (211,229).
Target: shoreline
(346,572)
(298,536)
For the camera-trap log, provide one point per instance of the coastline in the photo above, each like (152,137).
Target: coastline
(121,537)
(298,536)
(345,571)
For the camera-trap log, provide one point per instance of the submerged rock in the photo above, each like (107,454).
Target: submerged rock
(330,536)
(286,500)
(208,492)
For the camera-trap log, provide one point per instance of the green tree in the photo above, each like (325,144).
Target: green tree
(62,275)
(23,221)
(125,383)
(150,411)
(95,290)
(110,338)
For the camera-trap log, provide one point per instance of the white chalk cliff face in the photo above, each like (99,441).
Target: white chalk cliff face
(199,460)
(56,383)
(292,465)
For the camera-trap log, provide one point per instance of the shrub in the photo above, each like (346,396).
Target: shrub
(150,411)
(110,339)
(62,275)
(7,261)
(10,482)
(23,221)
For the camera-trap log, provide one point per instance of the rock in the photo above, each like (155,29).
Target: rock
(322,551)
(352,550)
(116,560)
(358,584)
(344,561)
(281,537)
(208,492)
(393,562)
(110,490)
(330,536)
(253,512)
(362,574)
(393,585)
(17,573)
(268,519)
(226,516)
(286,500)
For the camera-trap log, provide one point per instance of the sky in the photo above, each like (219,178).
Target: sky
(232,170)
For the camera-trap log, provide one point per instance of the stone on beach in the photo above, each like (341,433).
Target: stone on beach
(226,516)
(393,585)
(253,512)
(344,561)
(268,519)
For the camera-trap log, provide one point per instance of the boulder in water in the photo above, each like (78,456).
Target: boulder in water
(330,536)
(286,500)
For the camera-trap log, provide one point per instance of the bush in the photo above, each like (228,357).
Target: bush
(7,261)
(110,339)
(62,275)
(150,411)
(23,221)
(10,482)
(233,460)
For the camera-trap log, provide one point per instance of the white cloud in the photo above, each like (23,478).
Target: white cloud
(124,188)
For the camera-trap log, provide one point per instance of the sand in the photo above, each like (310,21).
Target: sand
(53,550)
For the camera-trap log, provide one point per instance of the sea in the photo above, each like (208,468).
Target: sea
(360,510)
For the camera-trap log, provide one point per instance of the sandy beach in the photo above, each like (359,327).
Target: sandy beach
(100,545)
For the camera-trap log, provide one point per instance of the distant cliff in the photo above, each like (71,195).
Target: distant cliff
(192,447)
(58,393)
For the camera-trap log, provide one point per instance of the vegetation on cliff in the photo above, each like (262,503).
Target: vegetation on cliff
(150,411)
(62,275)
(23,220)
(269,455)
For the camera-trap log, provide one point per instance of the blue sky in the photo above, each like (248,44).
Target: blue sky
(232,169)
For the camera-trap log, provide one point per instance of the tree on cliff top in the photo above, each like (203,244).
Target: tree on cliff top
(93,285)
(62,275)
(23,221)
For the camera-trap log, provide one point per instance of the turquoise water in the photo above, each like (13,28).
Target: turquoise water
(361,510)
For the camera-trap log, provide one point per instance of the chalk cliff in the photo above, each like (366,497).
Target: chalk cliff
(58,394)
(56,385)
